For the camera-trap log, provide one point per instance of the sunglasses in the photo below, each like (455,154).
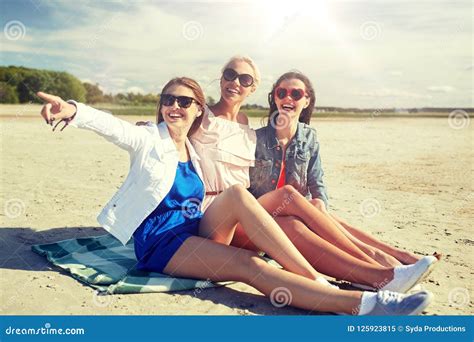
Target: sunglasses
(245,80)
(296,94)
(183,101)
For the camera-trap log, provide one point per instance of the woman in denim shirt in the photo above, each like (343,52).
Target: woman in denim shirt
(302,163)
(288,134)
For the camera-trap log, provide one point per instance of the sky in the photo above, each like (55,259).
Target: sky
(367,54)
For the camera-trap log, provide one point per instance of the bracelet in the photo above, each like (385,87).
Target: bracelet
(66,122)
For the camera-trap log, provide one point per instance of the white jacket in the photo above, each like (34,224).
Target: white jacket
(153,163)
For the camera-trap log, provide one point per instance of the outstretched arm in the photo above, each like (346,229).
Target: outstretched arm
(115,130)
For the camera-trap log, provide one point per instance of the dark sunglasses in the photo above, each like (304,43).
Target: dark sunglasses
(183,101)
(245,80)
(295,93)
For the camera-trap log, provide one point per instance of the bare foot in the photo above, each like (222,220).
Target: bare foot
(410,258)
(385,259)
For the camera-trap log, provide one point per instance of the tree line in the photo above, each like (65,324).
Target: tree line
(20,84)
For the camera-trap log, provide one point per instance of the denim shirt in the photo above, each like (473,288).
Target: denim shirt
(302,163)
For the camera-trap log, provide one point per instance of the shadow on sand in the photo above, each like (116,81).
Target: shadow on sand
(16,254)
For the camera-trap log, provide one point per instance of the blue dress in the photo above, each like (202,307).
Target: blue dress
(175,219)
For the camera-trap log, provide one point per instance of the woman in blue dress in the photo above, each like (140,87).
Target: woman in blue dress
(158,205)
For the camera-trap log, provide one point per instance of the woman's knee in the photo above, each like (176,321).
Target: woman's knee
(238,191)
(292,226)
(318,204)
(288,191)
(250,264)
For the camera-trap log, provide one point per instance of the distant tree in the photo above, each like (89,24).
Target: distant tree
(8,93)
(150,99)
(108,98)
(121,99)
(93,93)
(67,86)
(11,75)
(33,82)
(29,81)
(252,106)
(210,101)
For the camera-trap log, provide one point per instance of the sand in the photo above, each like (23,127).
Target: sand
(408,181)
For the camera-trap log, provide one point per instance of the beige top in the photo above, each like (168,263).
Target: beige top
(227,150)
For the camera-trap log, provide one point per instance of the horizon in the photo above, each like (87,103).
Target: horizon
(355,44)
(258,106)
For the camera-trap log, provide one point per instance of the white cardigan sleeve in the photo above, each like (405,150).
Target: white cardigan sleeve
(120,132)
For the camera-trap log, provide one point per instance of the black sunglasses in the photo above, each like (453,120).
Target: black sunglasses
(245,80)
(183,101)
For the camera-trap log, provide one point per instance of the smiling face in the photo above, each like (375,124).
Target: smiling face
(288,105)
(233,91)
(175,115)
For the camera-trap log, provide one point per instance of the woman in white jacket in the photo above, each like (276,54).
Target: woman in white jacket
(157,205)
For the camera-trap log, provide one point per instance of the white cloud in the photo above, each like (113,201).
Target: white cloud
(396,73)
(441,89)
(143,46)
(135,90)
(384,92)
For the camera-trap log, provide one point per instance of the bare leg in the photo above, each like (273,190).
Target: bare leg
(204,259)
(235,205)
(241,240)
(404,257)
(288,201)
(378,255)
(324,256)
(380,251)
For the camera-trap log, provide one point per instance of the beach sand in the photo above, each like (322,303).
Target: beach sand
(406,180)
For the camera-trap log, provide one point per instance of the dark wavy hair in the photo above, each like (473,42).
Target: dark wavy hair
(306,113)
(198,96)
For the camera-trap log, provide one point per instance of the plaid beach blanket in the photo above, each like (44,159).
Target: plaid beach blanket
(103,263)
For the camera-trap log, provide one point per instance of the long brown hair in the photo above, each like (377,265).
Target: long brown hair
(306,113)
(198,96)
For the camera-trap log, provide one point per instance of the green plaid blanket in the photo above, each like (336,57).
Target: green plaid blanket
(108,266)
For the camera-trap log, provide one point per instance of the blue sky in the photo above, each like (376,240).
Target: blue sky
(357,53)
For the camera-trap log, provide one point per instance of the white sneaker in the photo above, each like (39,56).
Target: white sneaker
(406,276)
(398,304)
